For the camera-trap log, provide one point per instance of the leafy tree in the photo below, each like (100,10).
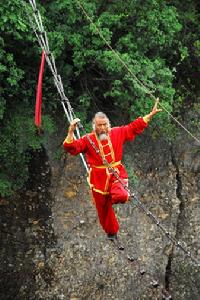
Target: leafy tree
(188,59)
(141,35)
(17,96)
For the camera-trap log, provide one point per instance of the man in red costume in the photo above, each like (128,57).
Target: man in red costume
(106,188)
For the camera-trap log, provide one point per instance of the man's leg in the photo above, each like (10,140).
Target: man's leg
(118,193)
(106,213)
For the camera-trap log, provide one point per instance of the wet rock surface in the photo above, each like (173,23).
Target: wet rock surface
(27,235)
(54,248)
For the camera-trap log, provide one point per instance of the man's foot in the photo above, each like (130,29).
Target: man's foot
(112,236)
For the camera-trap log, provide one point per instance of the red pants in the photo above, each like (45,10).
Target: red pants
(107,217)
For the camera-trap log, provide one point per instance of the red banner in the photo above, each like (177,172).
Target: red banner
(38,104)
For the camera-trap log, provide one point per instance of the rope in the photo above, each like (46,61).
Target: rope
(42,38)
(144,86)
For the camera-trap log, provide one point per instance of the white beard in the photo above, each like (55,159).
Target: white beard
(103,136)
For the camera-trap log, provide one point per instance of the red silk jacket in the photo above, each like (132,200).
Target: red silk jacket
(99,177)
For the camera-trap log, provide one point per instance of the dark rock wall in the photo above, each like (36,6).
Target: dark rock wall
(54,248)
(27,238)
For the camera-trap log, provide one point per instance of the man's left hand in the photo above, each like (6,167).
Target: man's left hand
(155,109)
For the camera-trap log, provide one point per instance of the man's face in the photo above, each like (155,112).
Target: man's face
(101,126)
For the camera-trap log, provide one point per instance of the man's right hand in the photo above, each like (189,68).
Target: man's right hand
(73,124)
(70,136)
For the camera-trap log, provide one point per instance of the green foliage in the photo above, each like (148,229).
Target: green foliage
(17,96)
(187,61)
(140,36)
(58,154)
(194,118)
(197,47)
(17,140)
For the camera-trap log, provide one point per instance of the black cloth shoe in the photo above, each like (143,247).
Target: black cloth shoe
(112,236)
(114,239)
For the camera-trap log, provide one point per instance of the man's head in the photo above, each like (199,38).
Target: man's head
(101,125)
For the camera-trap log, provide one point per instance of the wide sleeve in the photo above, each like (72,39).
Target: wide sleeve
(134,128)
(76,146)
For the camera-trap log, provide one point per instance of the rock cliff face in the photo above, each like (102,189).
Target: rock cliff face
(53,243)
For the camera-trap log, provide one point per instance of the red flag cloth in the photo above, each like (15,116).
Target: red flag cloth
(38,104)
